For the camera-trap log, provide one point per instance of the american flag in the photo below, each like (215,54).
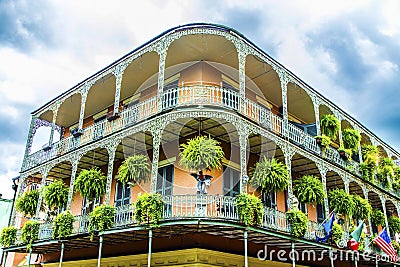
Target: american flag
(383,241)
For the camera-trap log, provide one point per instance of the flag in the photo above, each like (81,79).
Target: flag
(383,241)
(328,229)
(354,242)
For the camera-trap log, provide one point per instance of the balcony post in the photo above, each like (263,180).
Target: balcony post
(242,54)
(156,131)
(293,255)
(55,108)
(84,92)
(288,161)
(365,192)
(20,189)
(118,73)
(61,254)
(111,157)
(29,141)
(71,183)
(243,136)
(100,249)
(5,254)
(326,205)
(284,79)
(44,173)
(29,257)
(150,244)
(162,52)
(316,112)
(246,260)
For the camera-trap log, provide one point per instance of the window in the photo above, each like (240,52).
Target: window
(320,213)
(88,206)
(122,194)
(165,180)
(231,184)
(303,207)
(269,200)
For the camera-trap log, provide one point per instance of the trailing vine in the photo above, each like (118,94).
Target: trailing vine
(386,172)
(330,126)
(27,203)
(309,189)
(377,217)
(63,225)
(135,168)
(30,233)
(341,201)
(149,208)
(362,208)
(298,222)
(55,195)
(8,236)
(269,175)
(101,219)
(250,209)
(91,183)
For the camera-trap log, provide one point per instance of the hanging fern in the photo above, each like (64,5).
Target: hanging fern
(351,139)
(386,172)
(377,217)
(396,178)
(394,224)
(330,126)
(149,208)
(30,233)
(27,203)
(63,225)
(55,195)
(91,183)
(101,219)
(298,222)
(370,154)
(309,189)
(341,201)
(362,209)
(368,171)
(250,209)
(269,175)
(135,168)
(8,236)
(201,153)
(324,142)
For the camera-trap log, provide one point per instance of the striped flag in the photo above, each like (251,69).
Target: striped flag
(383,241)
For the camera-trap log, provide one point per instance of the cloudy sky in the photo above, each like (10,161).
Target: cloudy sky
(347,50)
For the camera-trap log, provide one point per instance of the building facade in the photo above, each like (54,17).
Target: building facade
(197,79)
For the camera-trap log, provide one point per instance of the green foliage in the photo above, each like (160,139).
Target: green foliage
(298,222)
(269,175)
(101,219)
(30,233)
(250,209)
(386,172)
(337,233)
(27,203)
(394,224)
(309,189)
(396,178)
(330,125)
(8,236)
(396,246)
(149,208)
(368,171)
(325,141)
(55,195)
(341,201)
(200,153)
(362,209)
(63,224)
(377,217)
(351,139)
(91,183)
(347,152)
(135,168)
(370,154)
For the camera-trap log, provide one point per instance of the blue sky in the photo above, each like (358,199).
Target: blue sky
(347,50)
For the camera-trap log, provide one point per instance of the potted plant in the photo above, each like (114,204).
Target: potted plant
(101,219)
(323,141)
(250,209)
(394,225)
(345,153)
(91,183)
(298,222)
(30,233)
(8,236)
(330,126)
(27,203)
(351,139)
(377,217)
(362,209)
(341,201)
(149,208)
(134,169)
(63,225)
(309,189)
(269,175)
(55,195)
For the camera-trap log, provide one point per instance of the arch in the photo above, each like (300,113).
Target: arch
(375,200)
(100,96)
(41,138)
(382,152)
(356,189)
(391,209)
(365,140)
(324,110)
(333,180)
(69,110)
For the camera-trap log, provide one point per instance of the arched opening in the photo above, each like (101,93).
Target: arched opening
(325,110)
(68,113)
(41,138)
(376,203)
(382,152)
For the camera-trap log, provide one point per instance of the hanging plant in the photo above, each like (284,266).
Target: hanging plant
(344,153)
(135,168)
(309,189)
(341,201)
(91,183)
(396,178)
(101,219)
(63,225)
(337,233)
(149,208)
(8,236)
(386,172)
(201,153)
(377,217)
(250,209)
(370,154)
(330,126)
(30,233)
(298,222)
(324,141)
(362,209)
(269,175)
(27,203)
(351,139)
(55,195)
(367,171)
(394,224)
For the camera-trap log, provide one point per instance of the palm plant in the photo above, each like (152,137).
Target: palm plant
(330,126)
(309,189)
(135,168)
(91,183)
(269,175)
